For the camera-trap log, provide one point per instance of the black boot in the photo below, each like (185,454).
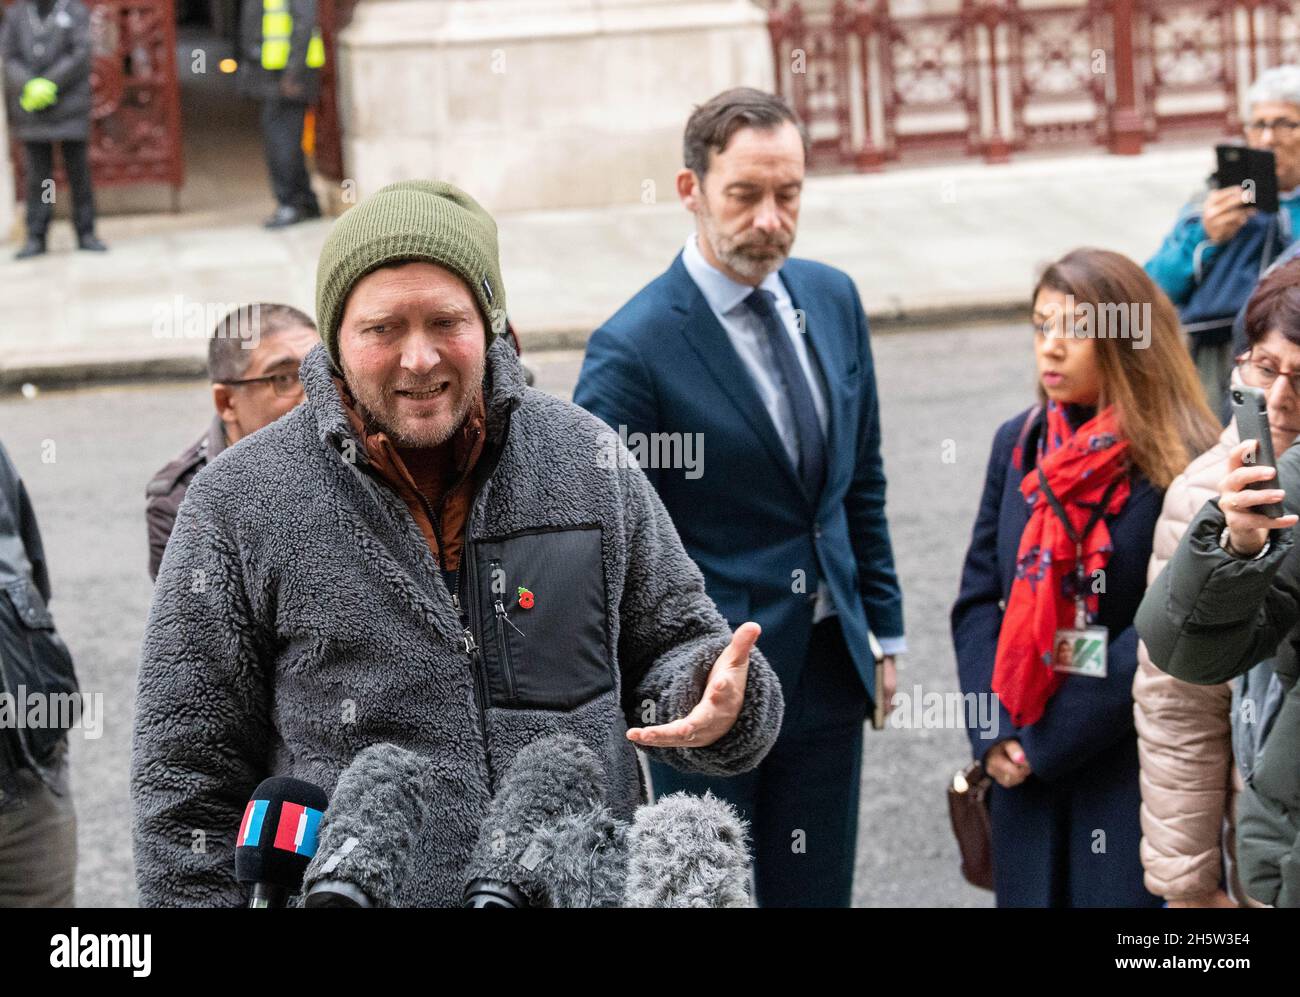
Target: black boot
(34,246)
(90,243)
(284,216)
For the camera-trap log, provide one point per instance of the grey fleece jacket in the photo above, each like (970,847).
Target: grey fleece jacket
(299,616)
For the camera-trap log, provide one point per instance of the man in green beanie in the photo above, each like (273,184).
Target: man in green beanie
(426,553)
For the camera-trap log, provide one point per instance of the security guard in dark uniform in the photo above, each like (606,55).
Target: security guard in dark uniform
(281,55)
(46,49)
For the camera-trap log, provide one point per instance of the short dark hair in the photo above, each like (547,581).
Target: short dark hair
(1275,304)
(712,124)
(228,358)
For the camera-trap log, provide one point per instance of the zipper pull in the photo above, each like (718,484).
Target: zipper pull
(470,646)
(501,612)
(455,602)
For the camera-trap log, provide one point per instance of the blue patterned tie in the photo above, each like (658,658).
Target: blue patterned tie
(808,429)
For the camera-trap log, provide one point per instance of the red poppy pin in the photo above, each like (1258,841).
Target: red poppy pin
(525,598)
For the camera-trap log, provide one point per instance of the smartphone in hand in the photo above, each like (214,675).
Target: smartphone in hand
(1250,409)
(1254,170)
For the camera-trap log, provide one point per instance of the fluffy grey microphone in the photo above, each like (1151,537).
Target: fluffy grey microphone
(548,839)
(687,851)
(373,819)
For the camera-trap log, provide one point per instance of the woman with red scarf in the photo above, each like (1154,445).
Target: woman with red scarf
(1055,571)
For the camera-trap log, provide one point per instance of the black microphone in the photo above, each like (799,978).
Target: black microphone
(277,838)
(687,851)
(548,839)
(375,816)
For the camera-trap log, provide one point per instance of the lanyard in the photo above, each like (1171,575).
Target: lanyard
(1098,513)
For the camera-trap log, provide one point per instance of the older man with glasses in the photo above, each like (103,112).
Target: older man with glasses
(253,359)
(1221,243)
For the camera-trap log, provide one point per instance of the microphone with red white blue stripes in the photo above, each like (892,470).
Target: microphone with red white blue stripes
(277,838)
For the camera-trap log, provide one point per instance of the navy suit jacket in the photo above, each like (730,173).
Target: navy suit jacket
(663,364)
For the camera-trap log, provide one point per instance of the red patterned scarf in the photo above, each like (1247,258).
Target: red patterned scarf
(1079,464)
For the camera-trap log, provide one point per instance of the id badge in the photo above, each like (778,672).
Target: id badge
(1081,651)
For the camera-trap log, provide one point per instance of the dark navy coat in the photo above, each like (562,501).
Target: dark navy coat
(1068,835)
(663,364)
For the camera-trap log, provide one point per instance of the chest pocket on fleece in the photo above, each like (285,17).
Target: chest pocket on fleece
(542,605)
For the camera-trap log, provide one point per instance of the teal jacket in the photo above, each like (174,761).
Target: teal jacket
(1187,254)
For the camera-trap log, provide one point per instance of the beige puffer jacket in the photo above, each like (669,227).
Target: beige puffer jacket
(1188,778)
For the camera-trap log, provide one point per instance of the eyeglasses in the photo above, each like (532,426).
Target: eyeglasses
(1261,374)
(1282,127)
(284,384)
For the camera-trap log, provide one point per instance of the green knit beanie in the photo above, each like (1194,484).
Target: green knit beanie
(414,220)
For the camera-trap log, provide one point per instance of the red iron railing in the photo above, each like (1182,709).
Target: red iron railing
(878,82)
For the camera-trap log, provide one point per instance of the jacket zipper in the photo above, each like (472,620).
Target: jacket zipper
(468,644)
(503,640)
(467,566)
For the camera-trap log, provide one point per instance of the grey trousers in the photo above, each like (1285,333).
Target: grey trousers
(38,842)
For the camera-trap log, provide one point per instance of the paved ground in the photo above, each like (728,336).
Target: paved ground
(937,386)
(956,241)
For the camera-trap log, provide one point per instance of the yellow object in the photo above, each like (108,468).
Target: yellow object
(277,27)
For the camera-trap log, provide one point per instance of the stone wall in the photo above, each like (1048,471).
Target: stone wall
(538,103)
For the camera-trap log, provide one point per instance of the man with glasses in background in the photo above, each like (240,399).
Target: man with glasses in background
(253,359)
(1221,244)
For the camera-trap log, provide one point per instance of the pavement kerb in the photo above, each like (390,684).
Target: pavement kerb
(72,372)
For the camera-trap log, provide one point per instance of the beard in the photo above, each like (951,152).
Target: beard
(752,255)
(381,406)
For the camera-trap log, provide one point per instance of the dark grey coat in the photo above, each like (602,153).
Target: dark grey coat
(166,490)
(59,51)
(33,658)
(264,84)
(299,616)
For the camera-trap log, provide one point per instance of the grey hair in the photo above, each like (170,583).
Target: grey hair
(1281,84)
(231,345)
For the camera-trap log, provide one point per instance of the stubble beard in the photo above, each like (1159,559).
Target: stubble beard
(379,409)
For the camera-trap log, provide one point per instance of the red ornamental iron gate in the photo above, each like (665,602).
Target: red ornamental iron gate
(136,116)
(877,81)
(335,15)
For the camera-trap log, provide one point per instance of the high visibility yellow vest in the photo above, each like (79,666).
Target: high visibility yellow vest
(277,27)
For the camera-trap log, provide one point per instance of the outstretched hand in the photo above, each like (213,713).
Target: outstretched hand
(717,709)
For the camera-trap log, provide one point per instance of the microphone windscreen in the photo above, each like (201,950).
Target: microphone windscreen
(550,779)
(374,817)
(583,859)
(278,834)
(687,851)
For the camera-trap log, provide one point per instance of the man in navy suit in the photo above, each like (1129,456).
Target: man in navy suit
(760,367)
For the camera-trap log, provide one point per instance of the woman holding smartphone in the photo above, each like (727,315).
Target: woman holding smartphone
(1228,603)
(1199,744)
(1059,554)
